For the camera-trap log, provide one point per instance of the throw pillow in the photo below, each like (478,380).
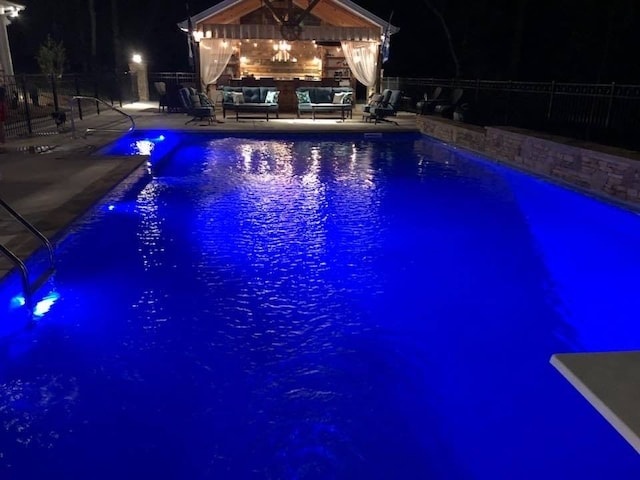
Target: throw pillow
(272,96)
(338,96)
(303,96)
(238,97)
(195,100)
(227,97)
(347,97)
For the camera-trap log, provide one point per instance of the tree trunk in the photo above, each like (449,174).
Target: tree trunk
(447,33)
(115,26)
(518,36)
(94,42)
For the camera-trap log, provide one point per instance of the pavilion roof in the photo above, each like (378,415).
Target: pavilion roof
(348,5)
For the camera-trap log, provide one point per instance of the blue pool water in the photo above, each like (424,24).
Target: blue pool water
(322,308)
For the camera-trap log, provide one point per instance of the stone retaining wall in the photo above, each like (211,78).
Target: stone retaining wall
(608,172)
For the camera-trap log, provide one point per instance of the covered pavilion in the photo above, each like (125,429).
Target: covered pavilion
(288,44)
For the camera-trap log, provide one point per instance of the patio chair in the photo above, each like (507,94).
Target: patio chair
(446,107)
(383,110)
(174,104)
(375,100)
(428,103)
(197,105)
(161,90)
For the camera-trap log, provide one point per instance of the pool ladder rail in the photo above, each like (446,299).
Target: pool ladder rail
(28,288)
(77,98)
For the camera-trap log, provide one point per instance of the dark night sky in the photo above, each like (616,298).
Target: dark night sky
(564,40)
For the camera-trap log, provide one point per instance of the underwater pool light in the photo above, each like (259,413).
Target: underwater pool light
(143,147)
(44,305)
(17,301)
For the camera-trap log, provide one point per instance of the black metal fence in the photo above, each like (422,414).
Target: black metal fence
(31,100)
(603,113)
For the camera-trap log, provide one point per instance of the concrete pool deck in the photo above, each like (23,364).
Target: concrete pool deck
(53,179)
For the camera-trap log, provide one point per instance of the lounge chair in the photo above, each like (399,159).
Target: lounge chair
(385,109)
(161,90)
(375,100)
(447,106)
(428,103)
(197,105)
(174,104)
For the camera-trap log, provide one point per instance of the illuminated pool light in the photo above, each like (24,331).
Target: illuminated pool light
(143,147)
(17,302)
(44,305)
(41,308)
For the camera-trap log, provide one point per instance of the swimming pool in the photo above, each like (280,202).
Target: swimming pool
(313,307)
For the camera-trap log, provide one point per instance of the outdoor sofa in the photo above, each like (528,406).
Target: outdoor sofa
(251,102)
(325,100)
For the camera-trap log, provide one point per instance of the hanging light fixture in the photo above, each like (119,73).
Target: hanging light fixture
(283,51)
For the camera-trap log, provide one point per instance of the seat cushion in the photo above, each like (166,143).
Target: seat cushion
(251,95)
(322,95)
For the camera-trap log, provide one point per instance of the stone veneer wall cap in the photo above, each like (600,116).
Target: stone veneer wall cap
(606,173)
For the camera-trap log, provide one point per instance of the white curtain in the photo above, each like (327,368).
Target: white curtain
(362,58)
(214,56)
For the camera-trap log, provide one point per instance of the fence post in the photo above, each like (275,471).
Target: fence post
(54,92)
(27,112)
(610,107)
(506,110)
(117,79)
(550,107)
(96,94)
(78,93)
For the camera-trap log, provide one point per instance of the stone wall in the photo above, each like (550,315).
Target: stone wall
(607,172)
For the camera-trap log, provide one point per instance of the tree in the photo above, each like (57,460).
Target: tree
(94,40)
(51,57)
(447,32)
(518,37)
(115,28)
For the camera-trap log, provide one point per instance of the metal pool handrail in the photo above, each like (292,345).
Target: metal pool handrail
(29,289)
(96,99)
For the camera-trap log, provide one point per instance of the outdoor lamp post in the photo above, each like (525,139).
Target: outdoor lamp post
(138,67)
(8,10)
